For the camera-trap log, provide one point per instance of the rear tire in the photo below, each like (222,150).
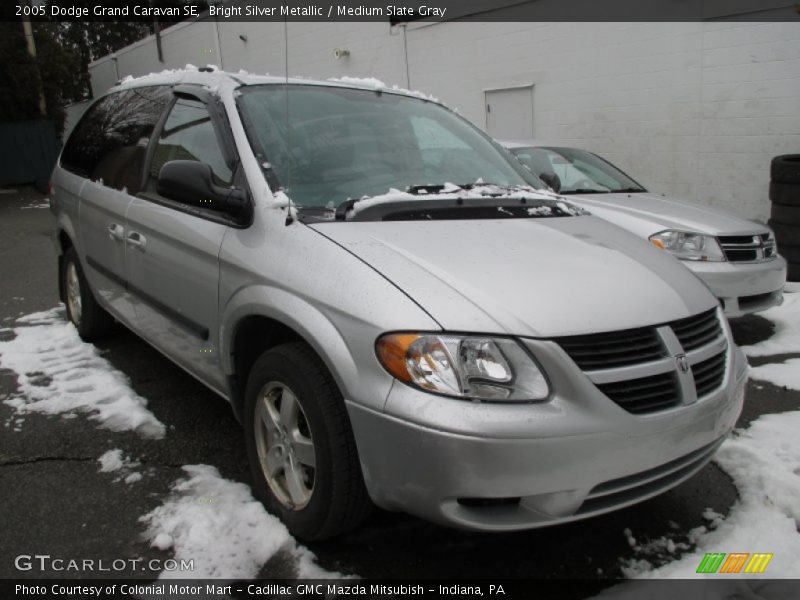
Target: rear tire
(300,445)
(89,318)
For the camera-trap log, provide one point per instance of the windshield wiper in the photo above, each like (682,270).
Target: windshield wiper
(487,193)
(629,190)
(584,191)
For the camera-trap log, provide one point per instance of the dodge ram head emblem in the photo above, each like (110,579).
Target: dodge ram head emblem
(683,364)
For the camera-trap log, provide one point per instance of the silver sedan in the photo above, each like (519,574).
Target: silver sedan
(736,258)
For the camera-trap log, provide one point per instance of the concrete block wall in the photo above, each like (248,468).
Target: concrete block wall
(695,110)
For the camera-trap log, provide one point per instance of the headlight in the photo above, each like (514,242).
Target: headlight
(472,367)
(688,245)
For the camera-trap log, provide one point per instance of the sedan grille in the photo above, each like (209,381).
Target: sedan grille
(748,248)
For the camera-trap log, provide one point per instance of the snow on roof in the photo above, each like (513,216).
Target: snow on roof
(521,143)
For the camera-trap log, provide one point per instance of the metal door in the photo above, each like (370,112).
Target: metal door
(509,113)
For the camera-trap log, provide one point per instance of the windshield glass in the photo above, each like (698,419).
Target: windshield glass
(326,145)
(579,171)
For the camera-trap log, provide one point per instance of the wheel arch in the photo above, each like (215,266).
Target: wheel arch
(262,317)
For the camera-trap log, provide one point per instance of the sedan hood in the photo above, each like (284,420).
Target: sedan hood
(647,213)
(541,277)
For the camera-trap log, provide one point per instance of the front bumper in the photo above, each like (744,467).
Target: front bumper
(743,288)
(506,467)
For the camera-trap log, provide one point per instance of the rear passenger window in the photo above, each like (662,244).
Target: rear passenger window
(109,144)
(188,134)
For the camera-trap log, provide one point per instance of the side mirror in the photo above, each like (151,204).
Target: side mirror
(553,180)
(190,182)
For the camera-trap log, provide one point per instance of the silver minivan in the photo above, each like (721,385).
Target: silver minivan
(396,311)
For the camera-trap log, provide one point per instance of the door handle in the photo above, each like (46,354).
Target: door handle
(137,240)
(116,231)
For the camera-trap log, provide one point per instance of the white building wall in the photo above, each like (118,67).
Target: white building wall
(695,110)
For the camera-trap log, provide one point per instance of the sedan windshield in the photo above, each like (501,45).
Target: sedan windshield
(326,145)
(578,171)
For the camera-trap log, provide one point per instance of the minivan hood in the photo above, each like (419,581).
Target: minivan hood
(646,213)
(541,277)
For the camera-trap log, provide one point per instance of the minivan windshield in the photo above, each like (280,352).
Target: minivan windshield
(579,171)
(326,145)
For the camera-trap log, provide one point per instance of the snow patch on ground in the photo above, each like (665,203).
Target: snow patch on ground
(111,461)
(786,339)
(785,374)
(217,523)
(114,462)
(45,203)
(764,463)
(59,374)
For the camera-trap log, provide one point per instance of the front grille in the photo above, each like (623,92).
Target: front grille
(644,395)
(708,375)
(640,369)
(748,248)
(615,349)
(698,330)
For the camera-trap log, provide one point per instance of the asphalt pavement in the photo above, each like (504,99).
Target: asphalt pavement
(54,501)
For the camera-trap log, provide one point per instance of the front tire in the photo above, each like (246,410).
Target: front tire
(300,445)
(89,318)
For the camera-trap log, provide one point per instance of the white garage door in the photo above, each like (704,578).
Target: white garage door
(509,113)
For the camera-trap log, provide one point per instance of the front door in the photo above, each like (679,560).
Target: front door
(173,249)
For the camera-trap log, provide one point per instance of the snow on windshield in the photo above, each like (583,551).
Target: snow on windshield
(451,191)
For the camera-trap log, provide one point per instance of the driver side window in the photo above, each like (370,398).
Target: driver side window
(189,134)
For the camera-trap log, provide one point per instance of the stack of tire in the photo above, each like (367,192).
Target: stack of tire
(784,192)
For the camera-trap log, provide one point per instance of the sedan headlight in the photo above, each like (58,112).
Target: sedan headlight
(688,245)
(470,367)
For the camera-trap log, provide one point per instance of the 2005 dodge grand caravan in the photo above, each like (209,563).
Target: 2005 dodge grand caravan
(393,310)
